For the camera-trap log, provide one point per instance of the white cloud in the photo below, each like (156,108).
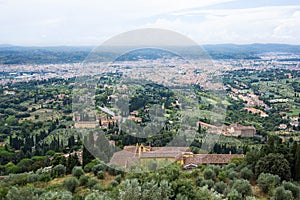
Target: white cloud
(89,22)
(264,24)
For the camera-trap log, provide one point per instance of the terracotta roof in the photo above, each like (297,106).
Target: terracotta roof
(162,154)
(123,158)
(133,149)
(178,149)
(200,159)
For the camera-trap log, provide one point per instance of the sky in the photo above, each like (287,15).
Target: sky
(91,22)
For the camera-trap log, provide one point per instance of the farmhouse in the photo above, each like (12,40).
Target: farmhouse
(183,156)
(234,130)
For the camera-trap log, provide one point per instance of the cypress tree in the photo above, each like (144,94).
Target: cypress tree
(87,157)
(297,164)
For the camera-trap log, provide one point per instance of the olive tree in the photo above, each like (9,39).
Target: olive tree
(243,187)
(268,182)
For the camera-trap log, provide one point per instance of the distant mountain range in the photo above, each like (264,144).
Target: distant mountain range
(10,54)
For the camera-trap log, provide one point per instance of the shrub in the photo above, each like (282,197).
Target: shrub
(77,171)
(209,174)
(230,166)
(209,183)
(99,167)
(281,194)
(26,193)
(246,173)
(83,180)
(3,192)
(50,153)
(114,170)
(45,177)
(114,183)
(234,195)
(195,173)
(32,178)
(216,169)
(88,167)
(268,182)
(293,188)
(199,181)
(232,175)
(54,195)
(220,187)
(58,171)
(118,178)
(100,175)
(71,184)
(204,193)
(243,187)
(17,179)
(94,195)
(98,187)
(222,175)
(97,195)
(92,182)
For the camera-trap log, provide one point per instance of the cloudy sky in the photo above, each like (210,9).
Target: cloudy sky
(91,22)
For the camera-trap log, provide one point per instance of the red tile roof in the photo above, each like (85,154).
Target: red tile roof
(202,159)
(162,154)
(123,158)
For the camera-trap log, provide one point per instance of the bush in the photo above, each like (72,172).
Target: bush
(97,195)
(45,177)
(243,187)
(220,187)
(209,174)
(71,184)
(268,182)
(281,194)
(100,175)
(114,183)
(199,181)
(54,195)
(50,153)
(118,178)
(209,183)
(92,182)
(98,187)
(234,195)
(99,167)
(32,178)
(204,194)
(78,197)
(232,175)
(195,173)
(216,169)
(58,171)
(293,188)
(230,166)
(88,167)
(17,179)
(77,171)
(3,192)
(25,193)
(114,170)
(222,175)
(83,180)
(246,173)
